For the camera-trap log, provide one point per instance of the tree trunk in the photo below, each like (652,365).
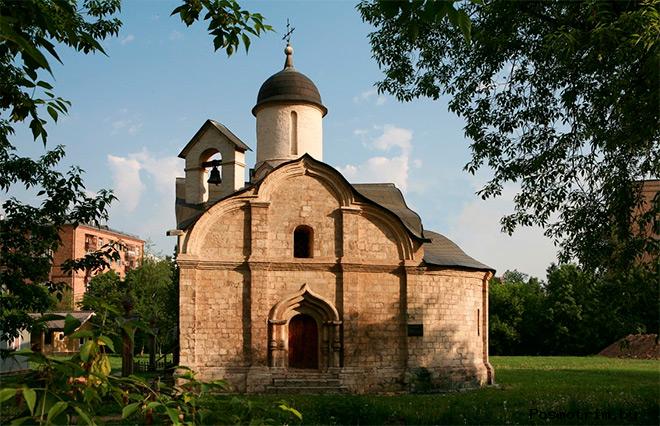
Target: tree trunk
(126,354)
(152,352)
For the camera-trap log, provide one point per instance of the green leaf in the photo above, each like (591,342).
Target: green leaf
(44,85)
(17,422)
(108,342)
(464,24)
(5,394)
(154,404)
(129,409)
(83,415)
(56,410)
(86,350)
(246,41)
(291,410)
(82,334)
(70,324)
(173,415)
(52,112)
(30,397)
(27,48)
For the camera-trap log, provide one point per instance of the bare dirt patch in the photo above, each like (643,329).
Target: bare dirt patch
(638,346)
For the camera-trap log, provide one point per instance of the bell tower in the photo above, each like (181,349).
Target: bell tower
(289,114)
(205,180)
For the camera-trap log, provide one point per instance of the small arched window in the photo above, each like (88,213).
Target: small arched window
(293,133)
(303,242)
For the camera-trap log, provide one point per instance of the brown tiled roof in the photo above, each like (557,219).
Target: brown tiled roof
(106,228)
(58,324)
(441,251)
(239,144)
(389,196)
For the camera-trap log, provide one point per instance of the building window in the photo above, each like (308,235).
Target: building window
(90,243)
(303,242)
(294,133)
(478,322)
(48,338)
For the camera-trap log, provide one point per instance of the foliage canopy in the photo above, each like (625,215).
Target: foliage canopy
(31,32)
(559,97)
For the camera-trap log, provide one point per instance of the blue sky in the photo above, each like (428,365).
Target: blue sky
(135,109)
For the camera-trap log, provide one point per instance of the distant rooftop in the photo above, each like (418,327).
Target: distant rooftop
(106,228)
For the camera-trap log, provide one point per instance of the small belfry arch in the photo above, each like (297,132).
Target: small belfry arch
(305,302)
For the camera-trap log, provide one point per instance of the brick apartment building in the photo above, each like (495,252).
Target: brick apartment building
(83,239)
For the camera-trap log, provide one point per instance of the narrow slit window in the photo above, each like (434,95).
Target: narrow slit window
(303,242)
(478,322)
(294,133)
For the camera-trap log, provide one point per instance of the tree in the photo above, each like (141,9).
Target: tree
(152,286)
(31,31)
(560,97)
(516,315)
(29,234)
(149,289)
(576,312)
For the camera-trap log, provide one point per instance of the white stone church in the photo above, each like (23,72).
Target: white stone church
(297,280)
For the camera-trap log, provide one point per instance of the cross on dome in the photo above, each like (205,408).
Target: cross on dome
(288,50)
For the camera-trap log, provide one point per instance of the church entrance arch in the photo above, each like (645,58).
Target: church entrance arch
(303,342)
(304,332)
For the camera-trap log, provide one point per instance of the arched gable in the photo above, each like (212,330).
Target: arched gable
(391,229)
(231,214)
(306,165)
(230,209)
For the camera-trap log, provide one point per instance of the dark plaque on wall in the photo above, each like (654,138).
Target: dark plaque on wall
(415,329)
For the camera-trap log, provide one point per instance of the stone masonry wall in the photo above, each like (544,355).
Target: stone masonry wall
(449,305)
(245,265)
(303,201)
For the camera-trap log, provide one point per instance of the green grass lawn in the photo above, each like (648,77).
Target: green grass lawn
(531,390)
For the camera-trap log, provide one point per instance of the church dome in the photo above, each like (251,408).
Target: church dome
(289,85)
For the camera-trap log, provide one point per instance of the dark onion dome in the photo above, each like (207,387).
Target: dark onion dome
(289,85)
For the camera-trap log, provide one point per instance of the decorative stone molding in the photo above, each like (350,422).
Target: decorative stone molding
(304,301)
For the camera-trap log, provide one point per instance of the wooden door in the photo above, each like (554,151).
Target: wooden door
(303,342)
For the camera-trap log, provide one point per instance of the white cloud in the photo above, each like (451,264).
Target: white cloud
(163,171)
(128,39)
(176,35)
(369,96)
(128,173)
(477,230)
(128,186)
(394,137)
(380,168)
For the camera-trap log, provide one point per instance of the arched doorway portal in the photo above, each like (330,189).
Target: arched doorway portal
(303,342)
(304,331)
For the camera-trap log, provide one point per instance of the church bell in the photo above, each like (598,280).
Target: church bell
(215,178)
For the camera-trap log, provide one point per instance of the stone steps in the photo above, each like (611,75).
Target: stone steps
(306,389)
(306,383)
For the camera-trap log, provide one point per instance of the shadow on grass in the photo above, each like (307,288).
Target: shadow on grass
(525,396)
